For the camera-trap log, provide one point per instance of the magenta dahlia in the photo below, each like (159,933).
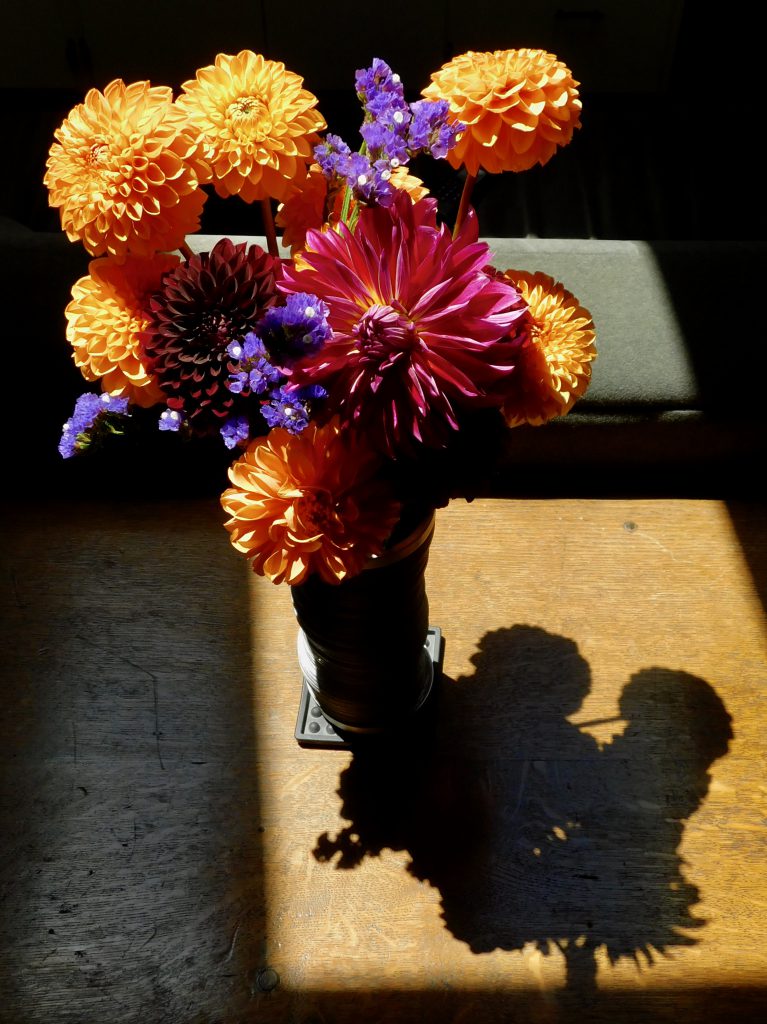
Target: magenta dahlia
(419,329)
(203,305)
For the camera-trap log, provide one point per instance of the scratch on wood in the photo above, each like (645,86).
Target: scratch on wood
(230,954)
(153,677)
(663,548)
(521,793)
(135,839)
(17,596)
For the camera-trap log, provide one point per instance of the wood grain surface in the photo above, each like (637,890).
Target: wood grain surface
(576,830)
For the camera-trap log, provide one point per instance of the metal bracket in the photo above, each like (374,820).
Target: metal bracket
(314,730)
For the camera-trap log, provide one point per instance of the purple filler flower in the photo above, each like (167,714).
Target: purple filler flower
(377,80)
(170,419)
(386,140)
(254,373)
(387,115)
(235,431)
(430,129)
(286,410)
(290,409)
(332,155)
(298,328)
(93,414)
(354,169)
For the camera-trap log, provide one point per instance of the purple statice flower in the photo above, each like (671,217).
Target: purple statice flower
(375,135)
(359,176)
(235,431)
(170,419)
(385,138)
(376,80)
(430,129)
(298,328)
(353,169)
(382,189)
(290,409)
(332,156)
(254,373)
(94,416)
(370,181)
(387,114)
(286,410)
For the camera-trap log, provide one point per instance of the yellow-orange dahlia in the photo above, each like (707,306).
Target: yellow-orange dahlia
(257,123)
(518,106)
(308,503)
(125,172)
(106,318)
(554,367)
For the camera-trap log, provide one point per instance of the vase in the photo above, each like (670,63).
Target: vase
(365,647)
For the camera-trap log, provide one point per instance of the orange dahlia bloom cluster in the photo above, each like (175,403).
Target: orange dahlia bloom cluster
(554,367)
(334,372)
(125,172)
(518,106)
(308,503)
(257,123)
(106,319)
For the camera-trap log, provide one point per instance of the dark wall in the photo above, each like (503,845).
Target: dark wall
(667,144)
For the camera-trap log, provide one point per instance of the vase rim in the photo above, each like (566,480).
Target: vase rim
(420,534)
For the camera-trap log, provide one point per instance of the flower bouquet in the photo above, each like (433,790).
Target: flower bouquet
(354,374)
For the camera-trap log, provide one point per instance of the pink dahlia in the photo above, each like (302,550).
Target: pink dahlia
(419,329)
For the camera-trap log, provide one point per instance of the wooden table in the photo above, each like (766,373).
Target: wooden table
(578,833)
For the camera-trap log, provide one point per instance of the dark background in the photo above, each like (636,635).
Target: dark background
(672,114)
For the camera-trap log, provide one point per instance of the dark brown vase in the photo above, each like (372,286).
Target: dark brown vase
(362,643)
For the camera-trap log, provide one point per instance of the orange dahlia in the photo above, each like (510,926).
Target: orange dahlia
(402,179)
(554,367)
(304,210)
(517,106)
(125,172)
(105,321)
(257,123)
(308,503)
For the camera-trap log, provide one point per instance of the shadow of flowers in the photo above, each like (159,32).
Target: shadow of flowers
(531,831)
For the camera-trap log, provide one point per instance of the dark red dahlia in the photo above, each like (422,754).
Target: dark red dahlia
(203,305)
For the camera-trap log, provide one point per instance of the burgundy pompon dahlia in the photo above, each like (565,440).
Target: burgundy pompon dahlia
(203,305)
(420,329)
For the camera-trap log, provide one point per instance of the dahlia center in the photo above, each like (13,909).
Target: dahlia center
(217,328)
(250,118)
(315,510)
(97,154)
(540,332)
(384,333)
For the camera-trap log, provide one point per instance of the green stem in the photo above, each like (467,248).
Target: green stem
(463,208)
(269,229)
(346,204)
(348,196)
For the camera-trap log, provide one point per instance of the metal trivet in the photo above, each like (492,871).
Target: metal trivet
(314,730)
